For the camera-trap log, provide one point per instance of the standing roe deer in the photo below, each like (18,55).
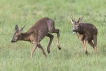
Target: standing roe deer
(36,33)
(85,32)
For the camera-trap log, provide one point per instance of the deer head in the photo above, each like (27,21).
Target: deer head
(75,24)
(17,34)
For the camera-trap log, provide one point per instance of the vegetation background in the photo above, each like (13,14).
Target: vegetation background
(16,57)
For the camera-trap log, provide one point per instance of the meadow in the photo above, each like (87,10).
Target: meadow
(16,57)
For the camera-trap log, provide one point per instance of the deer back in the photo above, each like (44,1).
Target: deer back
(87,28)
(42,27)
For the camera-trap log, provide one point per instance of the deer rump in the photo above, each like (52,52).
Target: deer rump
(42,27)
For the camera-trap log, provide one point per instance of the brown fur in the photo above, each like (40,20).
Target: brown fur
(85,32)
(43,27)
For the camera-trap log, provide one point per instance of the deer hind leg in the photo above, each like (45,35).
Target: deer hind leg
(91,43)
(58,34)
(51,38)
(84,45)
(95,43)
(52,29)
(42,50)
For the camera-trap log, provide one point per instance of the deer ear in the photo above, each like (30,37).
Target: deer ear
(22,28)
(80,20)
(72,20)
(16,28)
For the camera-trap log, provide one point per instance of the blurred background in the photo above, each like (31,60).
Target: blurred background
(16,57)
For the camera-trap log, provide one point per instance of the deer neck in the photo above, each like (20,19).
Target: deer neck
(80,30)
(24,36)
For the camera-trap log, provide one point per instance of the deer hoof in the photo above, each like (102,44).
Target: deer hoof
(86,53)
(48,52)
(59,48)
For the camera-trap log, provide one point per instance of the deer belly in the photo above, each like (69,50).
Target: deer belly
(41,34)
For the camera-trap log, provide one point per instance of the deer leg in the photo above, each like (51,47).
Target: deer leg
(95,43)
(42,50)
(51,38)
(33,49)
(58,34)
(90,43)
(84,45)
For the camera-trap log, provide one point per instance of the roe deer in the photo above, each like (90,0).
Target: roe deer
(85,32)
(43,27)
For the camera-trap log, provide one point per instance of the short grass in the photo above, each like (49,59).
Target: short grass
(16,57)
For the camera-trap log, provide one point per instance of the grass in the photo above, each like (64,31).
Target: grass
(16,57)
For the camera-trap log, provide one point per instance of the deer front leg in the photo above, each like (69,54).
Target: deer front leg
(84,45)
(33,49)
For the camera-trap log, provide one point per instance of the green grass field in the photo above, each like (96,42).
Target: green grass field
(16,57)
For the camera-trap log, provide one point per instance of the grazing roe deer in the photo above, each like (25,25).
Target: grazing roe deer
(86,32)
(43,27)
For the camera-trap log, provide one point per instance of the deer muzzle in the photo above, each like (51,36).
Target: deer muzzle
(74,31)
(12,41)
